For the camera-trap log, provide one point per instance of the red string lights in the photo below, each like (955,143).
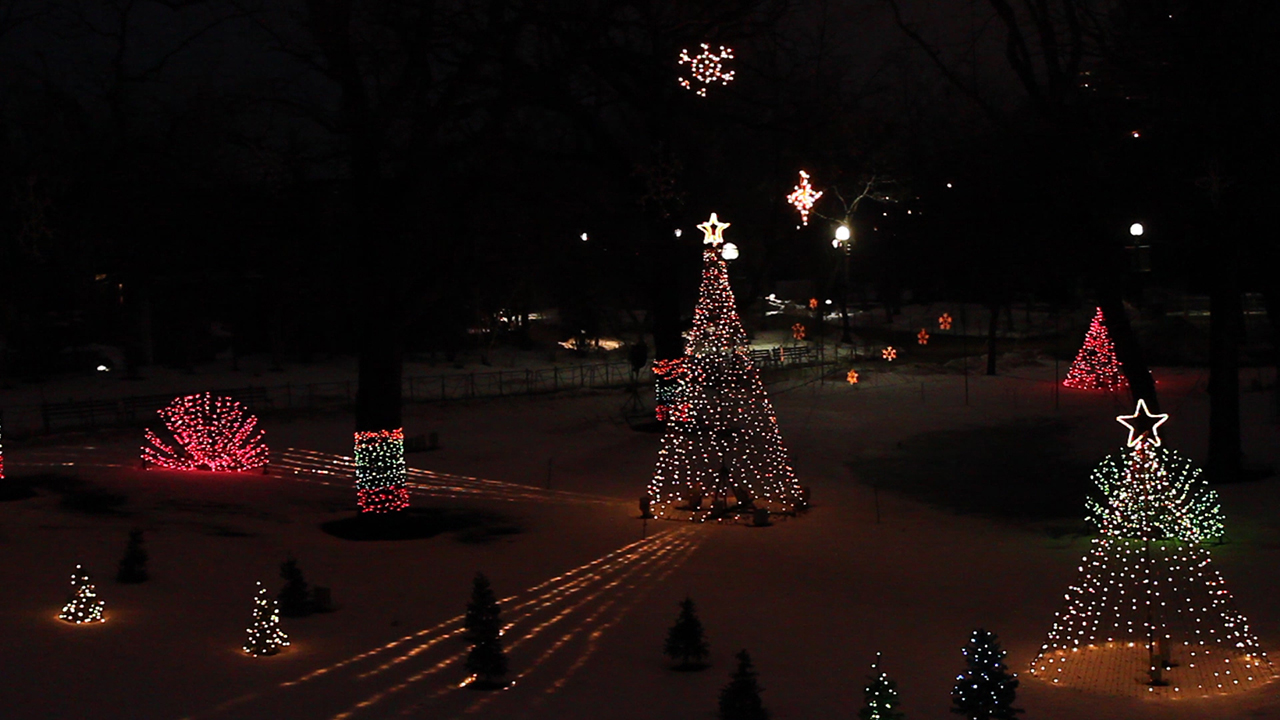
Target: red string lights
(210,432)
(1095,366)
(726,445)
(380,471)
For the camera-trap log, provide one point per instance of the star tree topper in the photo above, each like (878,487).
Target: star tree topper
(1142,422)
(712,230)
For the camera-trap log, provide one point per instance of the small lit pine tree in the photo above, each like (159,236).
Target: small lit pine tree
(133,566)
(686,641)
(295,596)
(486,661)
(985,690)
(740,699)
(84,606)
(265,635)
(880,696)
(1096,366)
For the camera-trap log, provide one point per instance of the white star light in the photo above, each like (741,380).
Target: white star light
(1143,415)
(711,231)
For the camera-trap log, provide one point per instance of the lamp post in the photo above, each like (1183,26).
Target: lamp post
(843,240)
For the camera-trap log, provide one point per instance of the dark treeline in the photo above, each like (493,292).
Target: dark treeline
(380,176)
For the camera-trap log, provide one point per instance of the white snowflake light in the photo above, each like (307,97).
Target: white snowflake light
(803,197)
(706,68)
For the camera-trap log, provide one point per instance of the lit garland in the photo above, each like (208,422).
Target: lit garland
(1095,366)
(265,635)
(706,68)
(944,321)
(210,433)
(922,337)
(797,331)
(727,444)
(84,606)
(852,377)
(803,197)
(1148,613)
(889,354)
(380,470)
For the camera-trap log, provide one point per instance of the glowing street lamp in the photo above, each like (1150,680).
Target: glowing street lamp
(1136,229)
(729,251)
(844,239)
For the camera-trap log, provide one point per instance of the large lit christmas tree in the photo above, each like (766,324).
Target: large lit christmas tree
(1149,615)
(1096,366)
(84,606)
(722,439)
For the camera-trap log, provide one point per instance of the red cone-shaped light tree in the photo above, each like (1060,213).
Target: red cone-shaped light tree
(210,433)
(724,442)
(1096,366)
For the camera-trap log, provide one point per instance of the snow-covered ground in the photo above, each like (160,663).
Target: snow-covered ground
(589,588)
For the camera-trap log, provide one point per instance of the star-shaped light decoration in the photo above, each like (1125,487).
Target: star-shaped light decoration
(712,230)
(852,377)
(1142,422)
(922,337)
(803,197)
(944,321)
(707,68)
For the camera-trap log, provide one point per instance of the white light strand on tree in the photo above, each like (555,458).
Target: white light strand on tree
(84,606)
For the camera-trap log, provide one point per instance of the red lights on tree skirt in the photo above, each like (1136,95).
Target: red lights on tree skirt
(209,432)
(1096,366)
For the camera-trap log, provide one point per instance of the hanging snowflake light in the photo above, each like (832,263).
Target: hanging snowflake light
(852,377)
(210,432)
(944,321)
(922,337)
(803,197)
(706,68)
(813,303)
(889,354)
(797,331)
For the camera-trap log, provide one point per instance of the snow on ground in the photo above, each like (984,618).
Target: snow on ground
(590,599)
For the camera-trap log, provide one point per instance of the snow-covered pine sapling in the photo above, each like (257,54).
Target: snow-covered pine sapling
(265,635)
(740,699)
(985,690)
(880,696)
(686,642)
(486,661)
(295,596)
(84,606)
(133,566)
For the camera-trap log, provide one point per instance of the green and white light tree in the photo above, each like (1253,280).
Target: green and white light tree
(880,696)
(985,690)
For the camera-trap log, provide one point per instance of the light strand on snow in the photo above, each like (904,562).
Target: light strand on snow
(380,471)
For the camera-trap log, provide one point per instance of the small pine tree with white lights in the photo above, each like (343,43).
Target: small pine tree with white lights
(84,606)
(740,699)
(133,566)
(686,641)
(486,661)
(295,596)
(985,690)
(880,696)
(265,635)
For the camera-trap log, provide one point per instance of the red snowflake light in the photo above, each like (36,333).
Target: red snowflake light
(944,322)
(210,432)
(852,377)
(803,197)
(797,331)
(889,354)
(922,337)
(706,68)
(813,303)
(1096,366)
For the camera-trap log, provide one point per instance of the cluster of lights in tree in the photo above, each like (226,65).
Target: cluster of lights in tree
(670,382)
(210,432)
(944,321)
(706,68)
(380,470)
(803,197)
(1148,613)
(84,606)
(1096,366)
(265,635)
(851,377)
(797,331)
(889,354)
(727,443)
(922,337)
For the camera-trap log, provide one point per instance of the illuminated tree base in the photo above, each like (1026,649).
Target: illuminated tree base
(380,471)
(1130,592)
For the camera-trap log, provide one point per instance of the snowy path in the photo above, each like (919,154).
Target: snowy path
(553,629)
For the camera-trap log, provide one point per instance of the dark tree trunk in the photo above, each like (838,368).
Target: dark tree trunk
(991,338)
(665,300)
(1128,349)
(378,401)
(1225,314)
(1271,297)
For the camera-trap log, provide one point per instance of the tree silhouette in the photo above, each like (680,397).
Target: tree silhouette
(486,661)
(686,641)
(740,699)
(133,566)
